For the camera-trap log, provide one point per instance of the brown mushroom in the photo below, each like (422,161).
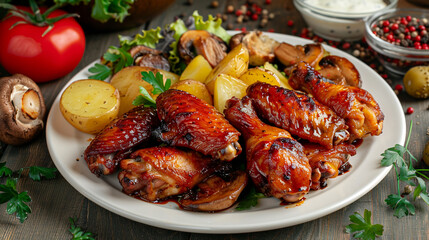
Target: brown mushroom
(216,193)
(261,47)
(148,57)
(22,109)
(211,47)
(289,55)
(340,70)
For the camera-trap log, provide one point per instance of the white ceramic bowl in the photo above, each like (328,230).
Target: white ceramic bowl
(336,24)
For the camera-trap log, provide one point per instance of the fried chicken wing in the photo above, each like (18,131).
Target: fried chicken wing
(299,114)
(187,121)
(159,172)
(118,138)
(276,162)
(357,106)
(327,163)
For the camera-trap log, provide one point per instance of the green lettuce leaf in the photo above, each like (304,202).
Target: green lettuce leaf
(104,10)
(149,38)
(179,28)
(212,25)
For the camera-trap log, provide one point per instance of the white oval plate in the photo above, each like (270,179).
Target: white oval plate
(66,146)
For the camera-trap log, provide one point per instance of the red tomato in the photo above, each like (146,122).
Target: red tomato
(24,50)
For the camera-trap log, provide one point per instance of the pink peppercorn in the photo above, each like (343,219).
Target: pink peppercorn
(394,26)
(386,29)
(410,110)
(386,23)
(399,87)
(408,18)
(267,2)
(411,28)
(238,13)
(290,23)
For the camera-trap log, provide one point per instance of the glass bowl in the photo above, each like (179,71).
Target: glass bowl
(335,24)
(396,59)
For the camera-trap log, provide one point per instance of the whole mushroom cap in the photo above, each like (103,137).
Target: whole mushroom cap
(22,109)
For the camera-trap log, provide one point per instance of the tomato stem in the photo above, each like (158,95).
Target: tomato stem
(35,17)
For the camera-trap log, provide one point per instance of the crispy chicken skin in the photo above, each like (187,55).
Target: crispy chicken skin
(339,70)
(117,139)
(190,122)
(159,172)
(298,113)
(276,162)
(361,112)
(327,163)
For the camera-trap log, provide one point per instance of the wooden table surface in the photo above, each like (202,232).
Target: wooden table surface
(54,201)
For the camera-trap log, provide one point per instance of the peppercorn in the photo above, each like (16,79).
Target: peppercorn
(410,110)
(214,4)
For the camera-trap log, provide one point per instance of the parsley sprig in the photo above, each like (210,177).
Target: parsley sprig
(249,200)
(17,201)
(406,173)
(362,227)
(157,82)
(78,233)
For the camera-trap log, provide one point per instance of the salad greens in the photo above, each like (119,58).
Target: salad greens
(104,10)
(165,40)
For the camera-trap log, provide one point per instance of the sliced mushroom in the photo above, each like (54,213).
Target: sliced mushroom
(211,47)
(22,109)
(289,55)
(148,57)
(215,193)
(260,46)
(340,70)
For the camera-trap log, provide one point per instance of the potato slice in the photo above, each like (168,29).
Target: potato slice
(260,75)
(89,105)
(128,80)
(226,87)
(281,77)
(198,69)
(196,88)
(234,64)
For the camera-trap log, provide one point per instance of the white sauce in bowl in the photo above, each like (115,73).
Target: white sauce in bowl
(348,6)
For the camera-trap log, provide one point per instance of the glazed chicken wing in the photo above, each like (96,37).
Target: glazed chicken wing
(275,161)
(327,163)
(118,138)
(299,114)
(355,105)
(159,172)
(187,121)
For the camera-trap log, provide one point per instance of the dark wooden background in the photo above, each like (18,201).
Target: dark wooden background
(54,201)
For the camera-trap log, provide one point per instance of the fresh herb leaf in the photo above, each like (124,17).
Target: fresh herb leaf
(157,82)
(101,71)
(402,206)
(405,173)
(144,99)
(362,227)
(16,201)
(5,171)
(250,200)
(78,233)
(36,173)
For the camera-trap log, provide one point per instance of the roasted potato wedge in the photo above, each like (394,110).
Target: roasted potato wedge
(226,87)
(234,64)
(89,105)
(282,78)
(198,69)
(261,75)
(128,80)
(196,88)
